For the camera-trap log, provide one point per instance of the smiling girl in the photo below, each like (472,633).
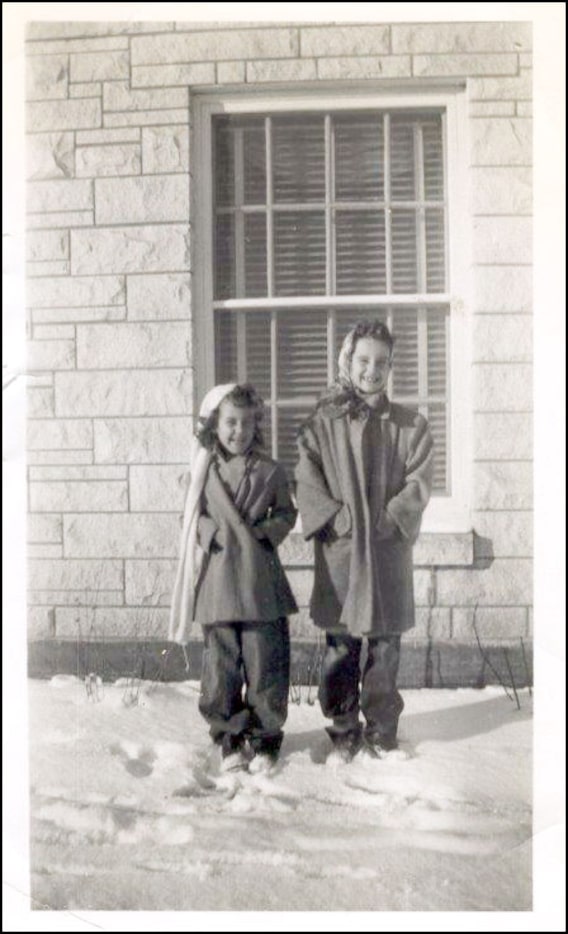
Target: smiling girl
(363,481)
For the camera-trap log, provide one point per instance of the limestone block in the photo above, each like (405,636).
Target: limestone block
(492,109)
(422,587)
(503,289)
(57,456)
(45,332)
(281,70)
(73,472)
(40,402)
(524,109)
(427,66)
(507,582)
(113,622)
(158,489)
(224,44)
(116,535)
(60,435)
(504,387)
(295,551)
(490,622)
(142,200)
(231,73)
(63,115)
(97,161)
(84,598)
(101,137)
(461,37)
(503,485)
(75,575)
(503,436)
(434,549)
(434,623)
(144,441)
(47,77)
(147,248)
(343,40)
(86,89)
(378,66)
(77,315)
(161,297)
(506,240)
(40,622)
(51,355)
(59,267)
(514,89)
(165,149)
(44,551)
(502,190)
(160,76)
(506,141)
(140,344)
(119,96)
(81,496)
(123,393)
(63,219)
(504,534)
(106,43)
(99,66)
(149,583)
(44,529)
(502,338)
(49,245)
(140,118)
(50,155)
(69,195)
(301,583)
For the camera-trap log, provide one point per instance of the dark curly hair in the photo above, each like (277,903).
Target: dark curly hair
(244,396)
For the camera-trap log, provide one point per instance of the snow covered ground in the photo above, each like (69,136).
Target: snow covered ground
(129,810)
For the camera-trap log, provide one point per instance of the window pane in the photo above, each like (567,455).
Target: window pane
(289,422)
(255,284)
(224,165)
(360,252)
(405,365)
(435,251)
(299,253)
(224,256)
(299,158)
(302,352)
(225,347)
(257,350)
(433,159)
(437,419)
(438,322)
(254,160)
(402,170)
(359,158)
(243,349)
(404,254)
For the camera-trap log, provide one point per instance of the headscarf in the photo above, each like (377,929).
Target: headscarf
(191,555)
(342,397)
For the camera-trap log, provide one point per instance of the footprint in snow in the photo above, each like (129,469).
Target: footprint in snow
(139,764)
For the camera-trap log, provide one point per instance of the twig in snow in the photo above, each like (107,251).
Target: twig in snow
(512,677)
(485,657)
(529,678)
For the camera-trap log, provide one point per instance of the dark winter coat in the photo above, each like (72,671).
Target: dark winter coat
(246,513)
(363,482)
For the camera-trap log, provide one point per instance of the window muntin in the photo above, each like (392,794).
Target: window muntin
(311,211)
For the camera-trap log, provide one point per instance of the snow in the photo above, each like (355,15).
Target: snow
(129,810)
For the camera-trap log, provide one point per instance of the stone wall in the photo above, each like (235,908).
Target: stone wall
(109,315)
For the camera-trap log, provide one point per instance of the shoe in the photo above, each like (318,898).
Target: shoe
(345,748)
(263,763)
(232,755)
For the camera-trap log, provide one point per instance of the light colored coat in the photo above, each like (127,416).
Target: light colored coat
(240,529)
(361,498)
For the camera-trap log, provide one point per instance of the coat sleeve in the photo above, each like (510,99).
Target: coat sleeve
(282,515)
(206,531)
(317,506)
(407,506)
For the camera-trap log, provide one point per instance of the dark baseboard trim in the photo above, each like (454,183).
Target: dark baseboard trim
(423,664)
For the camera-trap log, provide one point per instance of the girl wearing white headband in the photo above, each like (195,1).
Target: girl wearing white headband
(364,479)
(238,510)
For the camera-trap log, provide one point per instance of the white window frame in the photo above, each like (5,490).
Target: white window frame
(449,513)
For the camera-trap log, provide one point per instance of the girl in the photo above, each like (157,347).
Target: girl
(238,510)
(364,478)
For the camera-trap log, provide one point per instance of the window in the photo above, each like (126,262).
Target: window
(317,216)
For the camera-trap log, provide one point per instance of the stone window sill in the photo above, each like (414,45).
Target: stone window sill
(433,549)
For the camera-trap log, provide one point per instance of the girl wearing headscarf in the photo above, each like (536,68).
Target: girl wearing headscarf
(238,510)
(364,478)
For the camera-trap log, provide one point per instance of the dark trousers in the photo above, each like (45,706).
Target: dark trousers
(245,681)
(378,699)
